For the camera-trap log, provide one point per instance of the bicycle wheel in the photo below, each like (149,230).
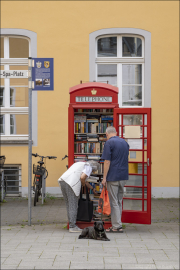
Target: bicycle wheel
(36,195)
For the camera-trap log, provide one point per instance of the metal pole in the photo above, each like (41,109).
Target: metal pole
(30,143)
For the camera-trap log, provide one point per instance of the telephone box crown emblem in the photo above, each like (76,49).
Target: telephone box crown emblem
(94,92)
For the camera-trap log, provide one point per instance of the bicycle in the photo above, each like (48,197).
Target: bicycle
(41,174)
(3,179)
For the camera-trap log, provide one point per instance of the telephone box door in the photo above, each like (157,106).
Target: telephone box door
(134,125)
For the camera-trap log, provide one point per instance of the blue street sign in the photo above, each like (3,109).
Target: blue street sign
(43,74)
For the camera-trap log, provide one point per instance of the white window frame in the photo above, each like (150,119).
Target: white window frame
(145,60)
(120,60)
(9,109)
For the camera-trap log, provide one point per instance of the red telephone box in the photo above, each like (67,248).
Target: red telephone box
(102,99)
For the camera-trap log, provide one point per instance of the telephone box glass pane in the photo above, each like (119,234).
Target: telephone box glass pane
(132,192)
(145,205)
(132,205)
(145,132)
(145,193)
(134,119)
(145,156)
(107,73)
(145,181)
(145,168)
(138,157)
(145,144)
(134,180)
(18,48)
(107,47)
(131,47)
(135,168)
(131,95)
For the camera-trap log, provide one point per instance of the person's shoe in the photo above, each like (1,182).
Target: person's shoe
(75,229)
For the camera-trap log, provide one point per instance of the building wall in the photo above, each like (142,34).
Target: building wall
(63,30)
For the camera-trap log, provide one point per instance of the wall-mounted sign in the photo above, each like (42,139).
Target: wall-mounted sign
(14,74)
(134,144)
(93,99)
(43,74)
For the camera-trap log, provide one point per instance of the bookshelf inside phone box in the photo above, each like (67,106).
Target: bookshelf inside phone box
(90,113)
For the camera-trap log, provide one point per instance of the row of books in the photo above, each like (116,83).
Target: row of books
(88,127)
(92,118)
(93,110)
(95,147)
(86,137)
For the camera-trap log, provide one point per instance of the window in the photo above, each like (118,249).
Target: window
(14,92)
(12,174)
(122,57)
(120,63)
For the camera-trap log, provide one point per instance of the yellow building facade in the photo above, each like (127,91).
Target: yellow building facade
(68,32)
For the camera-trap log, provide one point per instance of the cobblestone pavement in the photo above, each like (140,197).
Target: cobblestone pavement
(48,245)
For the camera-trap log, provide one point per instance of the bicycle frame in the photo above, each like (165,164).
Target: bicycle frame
(40,172)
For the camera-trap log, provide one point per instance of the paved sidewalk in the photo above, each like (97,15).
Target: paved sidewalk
(47,245)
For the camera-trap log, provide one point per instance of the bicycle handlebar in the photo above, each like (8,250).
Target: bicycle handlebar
(64,157)
(50,157)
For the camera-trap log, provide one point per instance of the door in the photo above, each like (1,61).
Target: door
(134,125)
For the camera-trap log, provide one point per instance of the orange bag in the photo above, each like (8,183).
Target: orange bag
(104,203)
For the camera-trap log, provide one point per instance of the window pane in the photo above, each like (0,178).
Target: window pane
(1,96)
(132,95)
(19,97)
(18,81)
(107,73)
(132,119)
(18,124)
(2,80)
(2,48)
(132,47)
(132,74)
(107,47)
(1,124)
(18,48)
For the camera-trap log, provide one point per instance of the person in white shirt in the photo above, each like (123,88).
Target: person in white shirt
(70,183)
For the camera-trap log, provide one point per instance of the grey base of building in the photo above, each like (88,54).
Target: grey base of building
(156,192)
(52,191)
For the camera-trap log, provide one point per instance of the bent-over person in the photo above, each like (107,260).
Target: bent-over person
(70,183)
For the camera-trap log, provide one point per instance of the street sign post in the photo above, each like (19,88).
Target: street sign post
(41,78)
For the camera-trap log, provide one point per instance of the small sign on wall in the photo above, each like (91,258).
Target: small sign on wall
(132,132)
(43,74)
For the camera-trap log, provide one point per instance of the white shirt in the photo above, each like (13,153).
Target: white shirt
(73,174)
